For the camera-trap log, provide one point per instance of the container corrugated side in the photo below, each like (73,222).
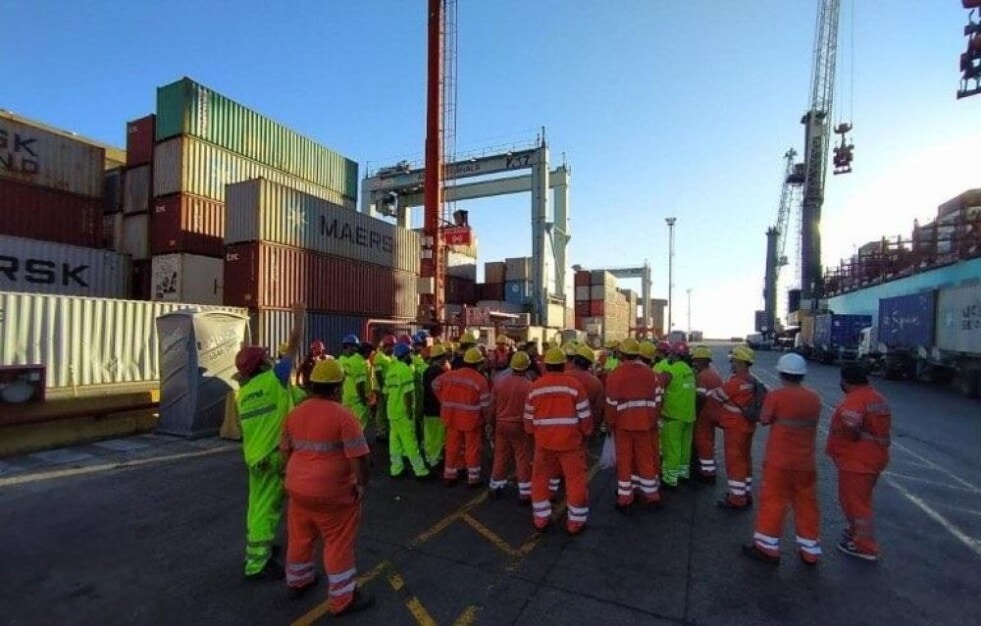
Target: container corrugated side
(137,189)
(32,155)
(120,337)
(187,278)
(112,191)
(261,210)
(846,330)
(140,137)
(31,266)
(959,319)
(906,322)
(135,240)
(189,165)
(189,108)
(38,213)
(185,223)
(271,327)
(263,275)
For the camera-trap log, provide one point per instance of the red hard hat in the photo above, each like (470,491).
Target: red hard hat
(388,340)
(248,359)
(407,340)
(664,346)
(318,347)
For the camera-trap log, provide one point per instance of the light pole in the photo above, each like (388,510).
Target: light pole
(670,222)
(689,313)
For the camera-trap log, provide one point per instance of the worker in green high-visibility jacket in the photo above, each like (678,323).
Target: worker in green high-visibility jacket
(354,395)
(677,412)
(266,395)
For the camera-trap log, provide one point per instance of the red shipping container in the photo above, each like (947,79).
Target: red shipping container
(596,308)
(185,223)
(40,213)
(580,322)
(583,279)
(582,308)
(490,291)
(460,290)
(263,275)
(139,140)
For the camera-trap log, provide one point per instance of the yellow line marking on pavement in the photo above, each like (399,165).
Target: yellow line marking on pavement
(468,617)
(321,609)
(93,469)
(491,536)
(418,611)
(442,524)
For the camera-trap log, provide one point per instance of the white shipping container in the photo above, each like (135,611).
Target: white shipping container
(582,293)
(120,338)
(959,319)
(135,240)
(187,278)
(137,182)
(32,266)
(185,164)
(261,210)
(33,155)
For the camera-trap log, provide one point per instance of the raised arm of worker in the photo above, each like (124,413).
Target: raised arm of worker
(284,367)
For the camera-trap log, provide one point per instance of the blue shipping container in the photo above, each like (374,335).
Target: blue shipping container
(906,322)
(271,327)
(517,291)
(833,331)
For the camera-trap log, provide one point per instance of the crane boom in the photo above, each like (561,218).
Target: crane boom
(776,241)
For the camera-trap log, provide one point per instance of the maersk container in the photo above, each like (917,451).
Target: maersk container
(120,337)
(271,327)
(839,331)
(39,213)
(264,275)
(907,322)
(959,320)
(189,108)
(261,210)
(189,165)
(187,278)
(31,266)
(137,189)
(185,223)
(33,155)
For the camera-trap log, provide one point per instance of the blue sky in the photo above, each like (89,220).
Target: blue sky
(661,108)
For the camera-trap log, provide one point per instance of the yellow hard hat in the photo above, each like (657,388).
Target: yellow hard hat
(437,351)
(473,356)
(284,348)
(611,344)
(647,349)
(469,338)
(569,348)
(587,353)
(742,353)
(554,356)
(328,371)
(630,347)
(501,340)
(520,361)
(701,352)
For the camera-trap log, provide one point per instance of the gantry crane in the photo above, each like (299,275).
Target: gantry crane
(971,58)
(776,239)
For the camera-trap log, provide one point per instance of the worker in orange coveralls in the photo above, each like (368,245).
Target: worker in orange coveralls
(633,408)
(735,395)
(789,470)
(559,417)
(582,364)
(464,405)
(508,400)
(707,380)
(858,443)
(326,475)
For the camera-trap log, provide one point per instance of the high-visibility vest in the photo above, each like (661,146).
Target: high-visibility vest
(633,397)
(679,397)
(263,404)
(863,411)
(463,395)
(558,412)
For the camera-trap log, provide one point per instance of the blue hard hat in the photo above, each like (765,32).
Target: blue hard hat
(351,340)
(401,350)
(419,337)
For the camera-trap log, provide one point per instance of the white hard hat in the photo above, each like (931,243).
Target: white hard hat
(792,364)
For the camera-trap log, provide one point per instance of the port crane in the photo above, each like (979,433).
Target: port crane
(776,240)
(971,58)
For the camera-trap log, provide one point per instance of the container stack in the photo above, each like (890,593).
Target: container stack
(284,246)
(517,286)
(134,223)
(494,282)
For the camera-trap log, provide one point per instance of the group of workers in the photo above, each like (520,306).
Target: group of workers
(437,402)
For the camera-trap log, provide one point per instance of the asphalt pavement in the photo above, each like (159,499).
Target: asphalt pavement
(150,530)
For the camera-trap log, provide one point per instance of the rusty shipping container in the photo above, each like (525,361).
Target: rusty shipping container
(271,327)
(185,223)
(139,140)
(187,278)
(31,266)
(189,165)
(135,236)
(112,190)
(39,213)
(36,156)
(261,210)
(263,275)
(137,189)
(120,337)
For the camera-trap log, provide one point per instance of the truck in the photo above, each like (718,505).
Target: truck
(836,337)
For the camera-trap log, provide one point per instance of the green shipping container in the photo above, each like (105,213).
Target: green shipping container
(188,108)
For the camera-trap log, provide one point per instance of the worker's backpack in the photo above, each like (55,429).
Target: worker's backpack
(754,409)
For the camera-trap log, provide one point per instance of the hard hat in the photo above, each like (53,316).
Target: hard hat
(701,352)
(554,356)
(587,353)
(318,347)
(248,359)
(401,350)
(663,347)
(647,349)
(611,344)
(405,339)
(501,340)
(469,338)
(388,340)
(283,349)
(419,338)
(350,340)
(680,348)
(473,356)
(437,351)
(569,349)
(327,371)
(792,364)
(742,353)
(630,347)
(520,361)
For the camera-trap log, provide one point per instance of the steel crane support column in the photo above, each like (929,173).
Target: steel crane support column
(539,222)
(561,234)
(432,256)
